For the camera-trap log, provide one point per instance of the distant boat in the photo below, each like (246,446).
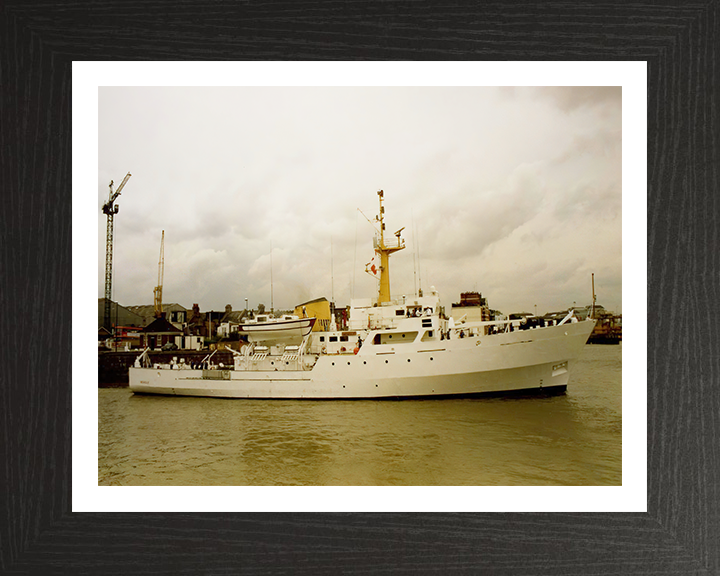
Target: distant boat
(400,348)
(606,331)
(288,329)
(608,328)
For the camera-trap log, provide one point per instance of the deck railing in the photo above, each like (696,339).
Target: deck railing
(389,242)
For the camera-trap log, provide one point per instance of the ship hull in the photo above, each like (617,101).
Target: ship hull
(539,360)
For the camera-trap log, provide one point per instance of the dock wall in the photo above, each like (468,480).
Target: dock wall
(113,366)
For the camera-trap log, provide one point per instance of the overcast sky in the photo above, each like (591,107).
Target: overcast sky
(511,192)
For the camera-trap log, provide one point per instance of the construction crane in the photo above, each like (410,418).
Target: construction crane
(161,273)
(110,209)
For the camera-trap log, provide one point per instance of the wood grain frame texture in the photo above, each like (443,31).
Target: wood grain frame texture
(680,533)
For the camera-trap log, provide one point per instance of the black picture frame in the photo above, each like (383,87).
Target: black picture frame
(680,532)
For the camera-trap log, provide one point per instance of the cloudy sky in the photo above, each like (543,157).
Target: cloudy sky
(512,192)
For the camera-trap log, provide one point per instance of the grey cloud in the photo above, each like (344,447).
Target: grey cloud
(589,200)
(570,98)
(475,219)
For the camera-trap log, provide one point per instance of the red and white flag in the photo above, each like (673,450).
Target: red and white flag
(372,267)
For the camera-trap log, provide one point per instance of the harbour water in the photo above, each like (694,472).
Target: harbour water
(573,439)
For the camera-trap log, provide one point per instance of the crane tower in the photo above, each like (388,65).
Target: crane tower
(110,209)
(161,273)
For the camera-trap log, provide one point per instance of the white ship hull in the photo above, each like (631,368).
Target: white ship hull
(538,359)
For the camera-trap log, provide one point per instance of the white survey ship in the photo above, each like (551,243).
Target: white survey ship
(392,349)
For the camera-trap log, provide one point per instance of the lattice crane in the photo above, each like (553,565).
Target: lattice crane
(110,209)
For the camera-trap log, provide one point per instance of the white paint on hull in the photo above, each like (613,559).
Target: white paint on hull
(529,359)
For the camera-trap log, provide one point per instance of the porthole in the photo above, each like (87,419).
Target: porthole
(408,359)
(386,361)
(348,363)
(364,362)
(431,357)
(333,363)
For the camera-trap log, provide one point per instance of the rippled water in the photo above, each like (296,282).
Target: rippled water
(571,439)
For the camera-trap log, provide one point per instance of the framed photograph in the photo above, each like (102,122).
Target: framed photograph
(222,180)
(659,516)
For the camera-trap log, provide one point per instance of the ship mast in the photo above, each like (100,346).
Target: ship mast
(385,247)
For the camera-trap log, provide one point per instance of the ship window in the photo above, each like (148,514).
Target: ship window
(322,338)
(343,338)
(333,338)
(404,338)
(399,313)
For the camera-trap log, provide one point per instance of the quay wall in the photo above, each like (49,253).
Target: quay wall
(113,366)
